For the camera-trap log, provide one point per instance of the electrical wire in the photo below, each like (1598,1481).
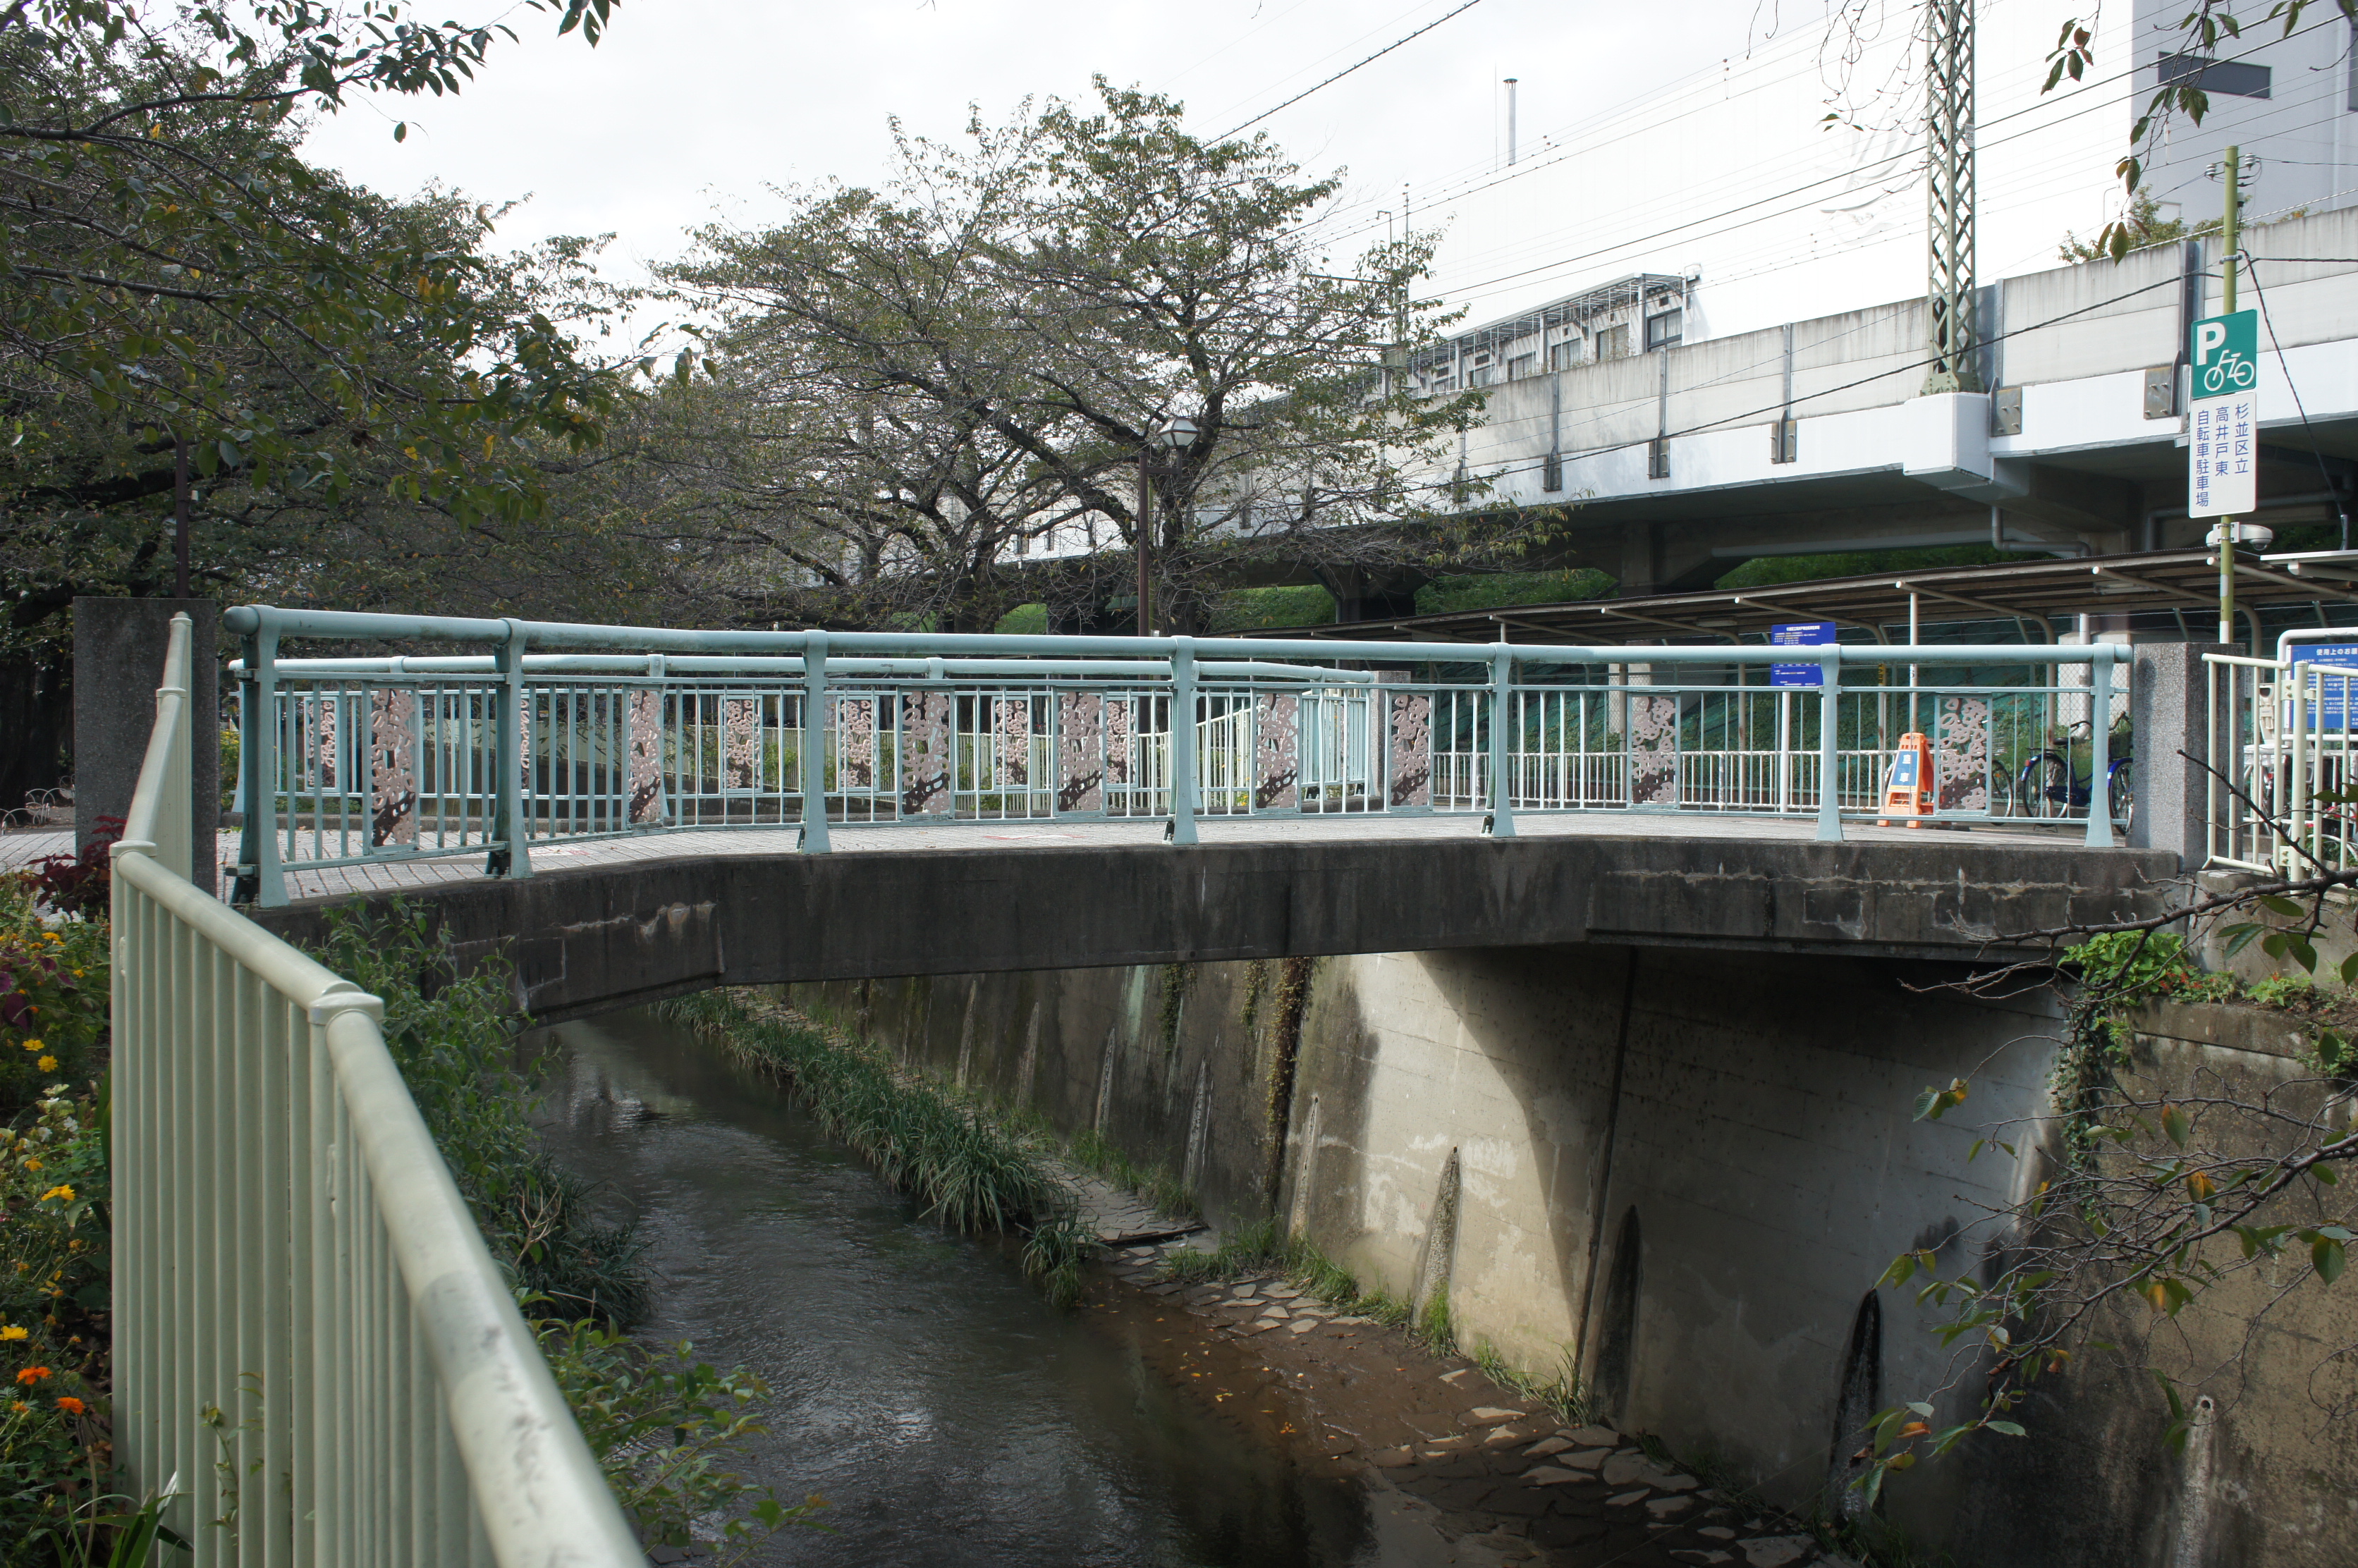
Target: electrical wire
(2339,511)
(1563,263)
(1347,69)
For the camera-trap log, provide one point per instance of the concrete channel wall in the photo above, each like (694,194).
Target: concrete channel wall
(1684,1170)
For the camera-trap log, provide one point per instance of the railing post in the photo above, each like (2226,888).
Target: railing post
(814,757)
(511,855)
(2297,786)
(1830,827)
(260,877)
(1183,740)
(2100,748)
(1502,793)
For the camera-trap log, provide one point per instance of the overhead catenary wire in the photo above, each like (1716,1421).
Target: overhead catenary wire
(1718,223)
(1347,69)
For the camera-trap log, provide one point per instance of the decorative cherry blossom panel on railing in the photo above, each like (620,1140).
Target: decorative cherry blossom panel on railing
(925,753)
(855,743)
(1121,726)
(1277,751)
(1654,751)
(1961,754)
(323,740)
(528,709)
(740,742)
(1410,749)
(1080,751)
(393,768)
(645,755)
(1011,730)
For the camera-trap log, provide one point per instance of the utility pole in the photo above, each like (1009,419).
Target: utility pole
(1511,120)
(2225,535)
(1145,546)
(1949,154)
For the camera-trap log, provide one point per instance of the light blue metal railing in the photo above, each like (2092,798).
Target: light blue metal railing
(290,1251)
(564,732)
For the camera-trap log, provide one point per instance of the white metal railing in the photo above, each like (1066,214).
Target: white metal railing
(291,1250)
(2279,744)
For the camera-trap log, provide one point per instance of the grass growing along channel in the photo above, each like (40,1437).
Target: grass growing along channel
(973,1174)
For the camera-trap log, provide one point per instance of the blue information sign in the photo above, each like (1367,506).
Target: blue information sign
(2333,666)
(1801,634)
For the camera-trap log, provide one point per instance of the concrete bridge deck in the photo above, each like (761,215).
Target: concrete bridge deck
(609,922)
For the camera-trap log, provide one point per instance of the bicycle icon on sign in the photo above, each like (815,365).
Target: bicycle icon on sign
(2231,371)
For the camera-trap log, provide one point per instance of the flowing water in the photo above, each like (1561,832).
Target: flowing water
(946,1411)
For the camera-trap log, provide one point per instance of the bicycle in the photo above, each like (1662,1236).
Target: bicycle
(2047,787)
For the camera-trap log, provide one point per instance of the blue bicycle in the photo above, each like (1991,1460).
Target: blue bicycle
(2049,786)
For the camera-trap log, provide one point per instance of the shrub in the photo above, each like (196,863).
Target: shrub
(53,995)
(54,1453)
(663,1425)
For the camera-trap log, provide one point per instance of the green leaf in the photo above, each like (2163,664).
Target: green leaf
(2004,1428)
(2276,903)
(2325,1255)
(2176,1125)
(2239,936)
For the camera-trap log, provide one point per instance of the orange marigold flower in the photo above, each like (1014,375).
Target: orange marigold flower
(70,1405)
(32,1374)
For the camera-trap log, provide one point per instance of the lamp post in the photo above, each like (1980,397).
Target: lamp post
(1175,436)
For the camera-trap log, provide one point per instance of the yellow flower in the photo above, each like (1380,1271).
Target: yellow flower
(11,1331)
(77,974)
(31,1165)
(48,1064)
(59,1191)
(32,1045)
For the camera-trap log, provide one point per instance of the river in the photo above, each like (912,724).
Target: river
(947,1413)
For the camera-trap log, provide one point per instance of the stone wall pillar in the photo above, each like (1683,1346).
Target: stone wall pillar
(118,663)
(2168,698)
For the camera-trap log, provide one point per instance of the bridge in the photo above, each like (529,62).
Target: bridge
(629,813)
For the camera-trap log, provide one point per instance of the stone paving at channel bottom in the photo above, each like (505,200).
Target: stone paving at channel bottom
(1503,1478)
(427,870)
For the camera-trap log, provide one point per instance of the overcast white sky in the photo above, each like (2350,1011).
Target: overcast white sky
(690,109)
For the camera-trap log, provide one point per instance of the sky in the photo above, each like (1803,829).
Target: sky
(1651,139)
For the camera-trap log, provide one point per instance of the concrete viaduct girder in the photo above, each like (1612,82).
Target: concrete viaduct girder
(589,939)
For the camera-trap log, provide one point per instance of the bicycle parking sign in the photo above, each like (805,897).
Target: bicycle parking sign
(2223,437)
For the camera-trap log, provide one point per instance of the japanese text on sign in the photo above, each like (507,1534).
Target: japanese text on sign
(2223,434)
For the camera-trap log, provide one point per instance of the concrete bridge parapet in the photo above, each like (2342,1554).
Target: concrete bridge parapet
(586,940)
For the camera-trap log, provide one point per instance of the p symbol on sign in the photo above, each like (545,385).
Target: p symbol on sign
(2208,335)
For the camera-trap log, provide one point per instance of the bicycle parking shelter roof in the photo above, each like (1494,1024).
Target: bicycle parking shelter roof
(2031,592)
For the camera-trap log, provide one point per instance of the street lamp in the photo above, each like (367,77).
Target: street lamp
(1176,435)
